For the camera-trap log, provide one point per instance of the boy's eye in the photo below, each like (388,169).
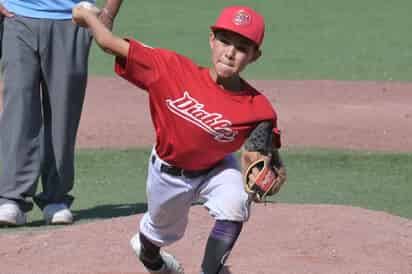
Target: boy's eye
(239,45)
(224,40)
(242,48)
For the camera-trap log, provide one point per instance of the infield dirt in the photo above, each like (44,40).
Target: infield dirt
(318,239)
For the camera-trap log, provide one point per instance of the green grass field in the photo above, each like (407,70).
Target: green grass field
(111,183)
(319,39)
(379,181)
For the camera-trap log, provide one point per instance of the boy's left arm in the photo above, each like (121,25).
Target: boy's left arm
(279,167)
(261,161)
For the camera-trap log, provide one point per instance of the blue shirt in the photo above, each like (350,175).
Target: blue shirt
(47,9)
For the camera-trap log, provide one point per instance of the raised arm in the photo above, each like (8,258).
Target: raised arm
(109,12)
(106,40)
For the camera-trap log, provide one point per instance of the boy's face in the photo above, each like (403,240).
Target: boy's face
(231,53)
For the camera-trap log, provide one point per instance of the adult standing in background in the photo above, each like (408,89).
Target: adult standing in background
(44,67)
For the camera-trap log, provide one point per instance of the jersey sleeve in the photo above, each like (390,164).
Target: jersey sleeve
(141,66)
(266,112)
(269,110)
(276,140)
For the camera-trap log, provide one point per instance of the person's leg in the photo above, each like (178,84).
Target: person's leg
(229,204)
(156,261)
(169,199)
(150,254)
(21,119)
(1,33)
(64,61)
(219,244)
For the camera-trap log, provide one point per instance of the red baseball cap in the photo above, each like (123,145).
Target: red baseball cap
(242,20)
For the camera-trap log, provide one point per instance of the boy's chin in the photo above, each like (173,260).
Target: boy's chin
(225,74)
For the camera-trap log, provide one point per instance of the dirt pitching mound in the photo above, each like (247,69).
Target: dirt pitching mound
(280,238)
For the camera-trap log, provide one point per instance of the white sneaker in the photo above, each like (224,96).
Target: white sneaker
(170,266)
(57,214)
(11,214)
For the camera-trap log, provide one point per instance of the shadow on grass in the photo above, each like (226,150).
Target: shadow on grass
(98,212)
(110,211)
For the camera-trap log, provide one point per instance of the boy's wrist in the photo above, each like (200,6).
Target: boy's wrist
(107,18)
(107,13)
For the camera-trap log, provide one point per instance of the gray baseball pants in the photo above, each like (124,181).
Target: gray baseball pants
(44,66)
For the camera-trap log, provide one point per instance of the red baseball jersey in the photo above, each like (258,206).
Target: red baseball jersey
(197,122)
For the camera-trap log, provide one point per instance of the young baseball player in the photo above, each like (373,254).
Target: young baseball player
(201,116)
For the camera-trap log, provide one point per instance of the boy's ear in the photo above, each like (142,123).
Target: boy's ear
(211,38)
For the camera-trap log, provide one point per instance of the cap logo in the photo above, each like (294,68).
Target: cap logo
(241,18)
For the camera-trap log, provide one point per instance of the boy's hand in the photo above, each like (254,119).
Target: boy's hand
(82,11)
(106,18)
(5,12)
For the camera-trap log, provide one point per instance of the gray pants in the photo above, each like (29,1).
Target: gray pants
(44,66)
(1,31)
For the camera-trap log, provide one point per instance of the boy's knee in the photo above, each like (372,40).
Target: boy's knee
(234,209)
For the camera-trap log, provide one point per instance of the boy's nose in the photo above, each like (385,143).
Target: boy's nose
(230,51)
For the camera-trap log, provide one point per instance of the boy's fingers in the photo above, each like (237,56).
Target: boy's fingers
(5,12)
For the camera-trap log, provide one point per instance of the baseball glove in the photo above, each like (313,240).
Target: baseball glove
(261,180)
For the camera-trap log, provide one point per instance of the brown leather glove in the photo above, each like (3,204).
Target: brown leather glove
(261,179)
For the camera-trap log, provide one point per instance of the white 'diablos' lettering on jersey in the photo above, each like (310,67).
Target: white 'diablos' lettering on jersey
(191,110)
